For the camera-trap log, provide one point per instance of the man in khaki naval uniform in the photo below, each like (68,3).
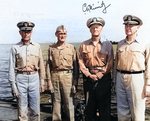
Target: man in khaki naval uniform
(62,73)
(96,61)
(25,67)
(132,60)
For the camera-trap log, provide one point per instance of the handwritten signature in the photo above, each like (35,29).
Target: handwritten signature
(29,15)
(88,8)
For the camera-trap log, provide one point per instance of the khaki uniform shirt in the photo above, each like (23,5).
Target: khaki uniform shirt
(91,56)
(133,56)
(62,59)
(26,58)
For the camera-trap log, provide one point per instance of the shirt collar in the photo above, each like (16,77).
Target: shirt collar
(135,41)
(21,43)
(65,45)
(90,41)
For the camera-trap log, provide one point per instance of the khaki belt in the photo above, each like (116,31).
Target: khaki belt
(26,72)
(56,71)
(130,72)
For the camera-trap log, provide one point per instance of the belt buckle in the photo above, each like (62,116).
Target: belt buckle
(68,71)
(28,72)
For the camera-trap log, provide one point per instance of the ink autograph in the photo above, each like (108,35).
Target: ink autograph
(29,15)
(88,8)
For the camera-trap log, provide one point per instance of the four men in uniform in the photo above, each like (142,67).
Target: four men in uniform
(96,58)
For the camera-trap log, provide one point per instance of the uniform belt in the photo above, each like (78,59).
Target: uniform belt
(68,71)
(130,72)
(94,71)
(95,68)
(26,72)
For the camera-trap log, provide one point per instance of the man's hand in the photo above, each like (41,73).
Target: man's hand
(14,90)
(51,88)
(147,91)
(99,75)
(73,89)
(147,94)
(42,88)
(94,77)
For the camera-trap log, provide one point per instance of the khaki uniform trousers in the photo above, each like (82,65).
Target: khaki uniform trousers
(130,97)
(62,82)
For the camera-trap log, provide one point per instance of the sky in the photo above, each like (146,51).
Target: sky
(73,14)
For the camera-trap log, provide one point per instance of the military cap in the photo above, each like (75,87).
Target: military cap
(130,19)
(25,25)
(61,27)
(95,20)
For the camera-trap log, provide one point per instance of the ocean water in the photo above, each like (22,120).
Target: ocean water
(5,90)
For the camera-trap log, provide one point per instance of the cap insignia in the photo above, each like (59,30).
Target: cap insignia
(129,18)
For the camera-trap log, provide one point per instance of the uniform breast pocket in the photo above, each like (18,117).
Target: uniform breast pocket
(19,60)
(55,54)
(102,57)
(120,52)
(136,50)
(34,57)
(137,53)
(86,55)
(68,59)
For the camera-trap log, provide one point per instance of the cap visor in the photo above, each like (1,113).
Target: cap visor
(95,23)
(26,28)
(131,22)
